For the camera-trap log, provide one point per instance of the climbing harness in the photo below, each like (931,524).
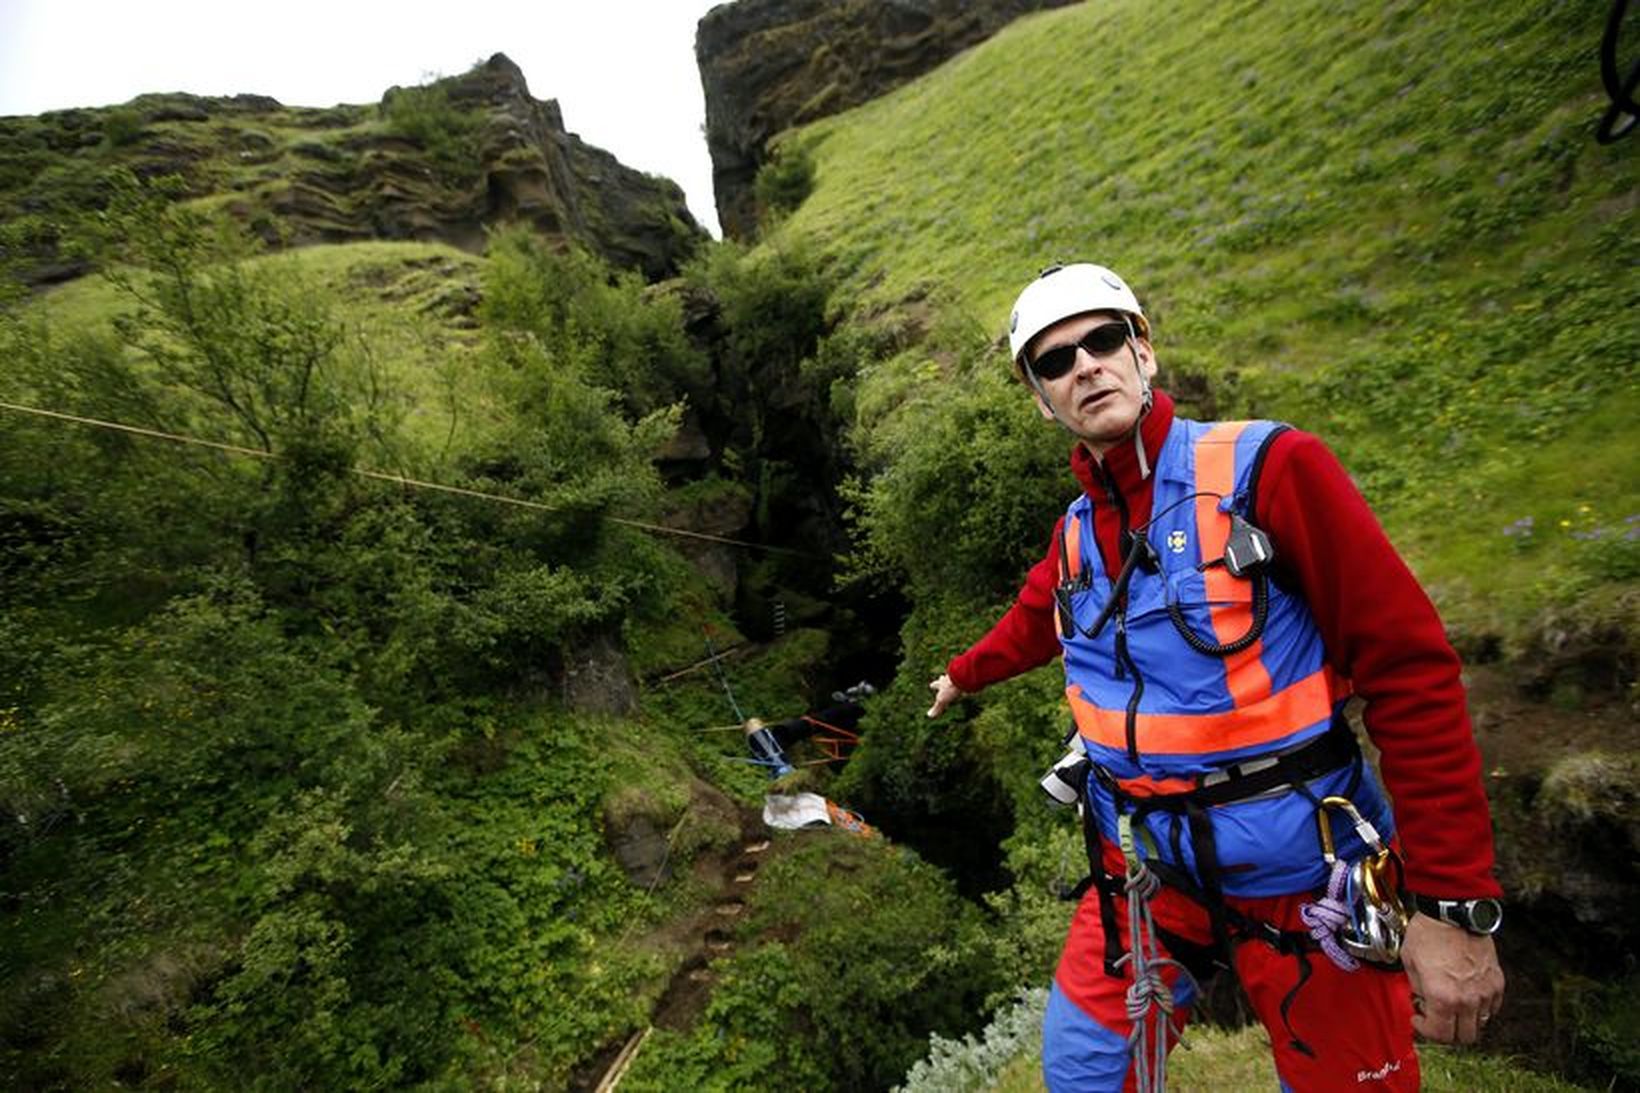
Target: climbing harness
(1370,930)
(1247,743)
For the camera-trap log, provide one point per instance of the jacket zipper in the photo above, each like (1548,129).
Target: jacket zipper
(1122,655)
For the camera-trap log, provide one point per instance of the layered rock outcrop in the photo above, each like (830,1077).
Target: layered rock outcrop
(444,162)
(536,170)
(767,65)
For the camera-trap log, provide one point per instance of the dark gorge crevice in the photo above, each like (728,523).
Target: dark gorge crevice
(767,424)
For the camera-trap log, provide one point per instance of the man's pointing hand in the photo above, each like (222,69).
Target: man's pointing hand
(945,693)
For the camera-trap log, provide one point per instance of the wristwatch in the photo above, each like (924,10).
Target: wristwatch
(1479,916)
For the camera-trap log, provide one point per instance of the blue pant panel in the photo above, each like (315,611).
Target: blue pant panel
(1079,1055)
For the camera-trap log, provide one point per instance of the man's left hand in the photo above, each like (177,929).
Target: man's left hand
(1457,984)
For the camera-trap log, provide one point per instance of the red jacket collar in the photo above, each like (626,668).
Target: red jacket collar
(1121,462)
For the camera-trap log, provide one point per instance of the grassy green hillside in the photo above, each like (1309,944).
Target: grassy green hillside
(413,304)
(1387,223)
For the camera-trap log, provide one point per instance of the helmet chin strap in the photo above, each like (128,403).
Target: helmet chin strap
(1147,399)
(1138,435)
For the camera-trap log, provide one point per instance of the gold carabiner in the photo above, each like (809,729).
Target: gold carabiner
(1376,877)
(1363,828)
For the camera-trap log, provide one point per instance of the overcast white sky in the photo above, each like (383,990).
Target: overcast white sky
(623,71)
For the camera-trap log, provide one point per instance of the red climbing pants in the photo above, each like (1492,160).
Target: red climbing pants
(1338,1030)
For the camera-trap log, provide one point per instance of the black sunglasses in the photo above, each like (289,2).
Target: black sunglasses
(1101,340)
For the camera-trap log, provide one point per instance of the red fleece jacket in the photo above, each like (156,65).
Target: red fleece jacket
(1380,631)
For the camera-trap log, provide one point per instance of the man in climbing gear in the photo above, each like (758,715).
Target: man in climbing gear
(1218,591)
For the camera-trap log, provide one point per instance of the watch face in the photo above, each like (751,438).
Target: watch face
(1485,915)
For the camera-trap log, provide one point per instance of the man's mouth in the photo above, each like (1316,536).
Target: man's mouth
(1093,400)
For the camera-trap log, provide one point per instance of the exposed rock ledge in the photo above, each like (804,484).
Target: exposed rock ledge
(767,65)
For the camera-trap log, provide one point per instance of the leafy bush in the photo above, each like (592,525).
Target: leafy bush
(617,333)
(784,181)
(1601,1017)
(972,1063)
(122,126)
(272,730)
(963,461)
(861,951)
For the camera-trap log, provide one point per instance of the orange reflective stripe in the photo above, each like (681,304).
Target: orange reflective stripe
(1228,597)
(1073,546)
(1306,702)
(1146,786)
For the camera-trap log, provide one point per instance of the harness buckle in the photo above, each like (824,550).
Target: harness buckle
(1239,770)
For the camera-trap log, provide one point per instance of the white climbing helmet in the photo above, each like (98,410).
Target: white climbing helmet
(1062,291)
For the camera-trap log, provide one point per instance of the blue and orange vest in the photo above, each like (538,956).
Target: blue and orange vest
(1155,712)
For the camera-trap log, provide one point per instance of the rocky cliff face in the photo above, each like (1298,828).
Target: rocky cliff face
(443,162)
(767,65)
(534,170)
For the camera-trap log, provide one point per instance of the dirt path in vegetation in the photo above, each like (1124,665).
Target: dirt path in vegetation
(725,875)
(711,935)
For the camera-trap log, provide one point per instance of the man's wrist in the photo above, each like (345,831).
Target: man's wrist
(1481,916)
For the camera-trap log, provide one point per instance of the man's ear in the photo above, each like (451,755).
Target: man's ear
(1147,359)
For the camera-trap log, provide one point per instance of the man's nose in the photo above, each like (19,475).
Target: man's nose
(1086,362)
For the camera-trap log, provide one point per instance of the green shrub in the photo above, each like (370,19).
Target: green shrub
(874,952)
(1601,1018)
(962,459)
(974,1063)
(122,126)
(285,719)
(784,180)
(621,335)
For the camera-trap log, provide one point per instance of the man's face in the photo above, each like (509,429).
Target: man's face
(1101,397)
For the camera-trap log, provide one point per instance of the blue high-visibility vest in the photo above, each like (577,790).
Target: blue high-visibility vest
(1155,711)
